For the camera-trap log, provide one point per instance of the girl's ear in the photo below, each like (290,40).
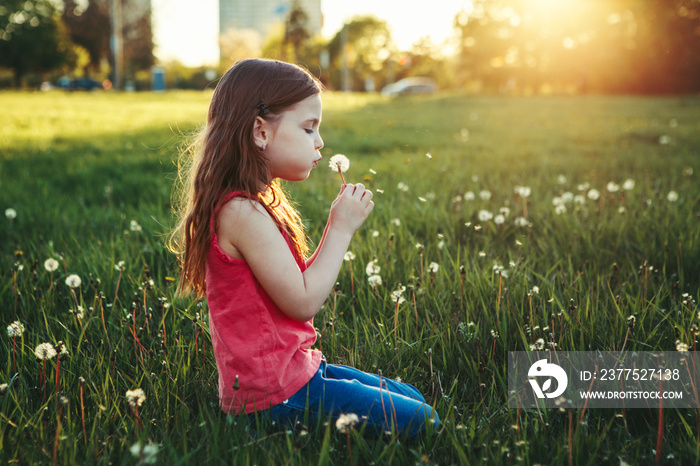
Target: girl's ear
(261,132)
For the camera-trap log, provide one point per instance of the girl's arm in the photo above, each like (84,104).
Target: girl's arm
(311,259)
(254,234)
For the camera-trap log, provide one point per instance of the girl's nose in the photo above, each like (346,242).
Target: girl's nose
(319,143)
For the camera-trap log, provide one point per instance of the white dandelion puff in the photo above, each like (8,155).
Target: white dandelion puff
(349,256)
(523,191)
(45,351)
(485,215)
(469,196)
(135,397)
(485,194)
(73,281)
(628,185)
(372,268)
(15,329)
(374,280)
(612,187)
(433,267)
(339,162)
(593,194)
(11,213)
(346,422)
(672,196)
(50,264)
(134,226)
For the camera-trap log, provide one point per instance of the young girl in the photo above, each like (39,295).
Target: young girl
(242,244)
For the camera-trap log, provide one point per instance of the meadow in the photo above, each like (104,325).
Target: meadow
(504,224)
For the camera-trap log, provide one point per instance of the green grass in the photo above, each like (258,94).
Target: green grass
(79,168)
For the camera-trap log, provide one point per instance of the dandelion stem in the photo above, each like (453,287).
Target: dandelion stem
(14,360)
(102,314)
(396,324)
(58,365)
(340,172)
(82,412)
(660,430)
(116,291)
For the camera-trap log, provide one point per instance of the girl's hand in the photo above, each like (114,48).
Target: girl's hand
(351,208)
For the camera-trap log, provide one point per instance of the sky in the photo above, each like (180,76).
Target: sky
(191,34)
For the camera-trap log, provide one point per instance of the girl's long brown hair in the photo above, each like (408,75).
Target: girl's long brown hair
(224,158)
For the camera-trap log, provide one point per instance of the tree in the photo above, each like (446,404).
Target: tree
(90,27)
(296,32)
(639,46)
(367,46)
(32,38)
(236,44)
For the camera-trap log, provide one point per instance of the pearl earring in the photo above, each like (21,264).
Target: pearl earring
(264,146)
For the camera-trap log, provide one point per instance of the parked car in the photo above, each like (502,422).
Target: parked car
(80,84)
(415,85)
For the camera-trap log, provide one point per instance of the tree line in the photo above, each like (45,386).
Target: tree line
(513,46)
(40,39)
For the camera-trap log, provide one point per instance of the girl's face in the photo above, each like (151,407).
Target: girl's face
(293,143)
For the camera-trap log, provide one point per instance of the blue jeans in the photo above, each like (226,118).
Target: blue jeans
(336,390)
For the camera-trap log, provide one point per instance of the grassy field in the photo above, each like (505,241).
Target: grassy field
(588,207)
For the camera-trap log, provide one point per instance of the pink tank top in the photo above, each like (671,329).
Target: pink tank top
(252,338)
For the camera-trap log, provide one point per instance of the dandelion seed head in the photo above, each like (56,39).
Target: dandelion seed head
(482,254)
(396,222)
(505,211)
(349,256)
(593,194)
(339,162)
(135,397)
(73,281)
(15,329)
(561,179)
(681,347)
(521,222)
(50,264)
(672,196)
(523,191)
(429,155)
(485,215)
(612,187)
(134,226)
(45,351)
(433,267)
(628,185)
(346,422)
(560,209)
(11,213)
(485,194)
(372,268)
(469,196)
(499,219)
(374,280)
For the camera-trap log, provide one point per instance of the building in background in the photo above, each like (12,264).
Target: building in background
(262,15)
